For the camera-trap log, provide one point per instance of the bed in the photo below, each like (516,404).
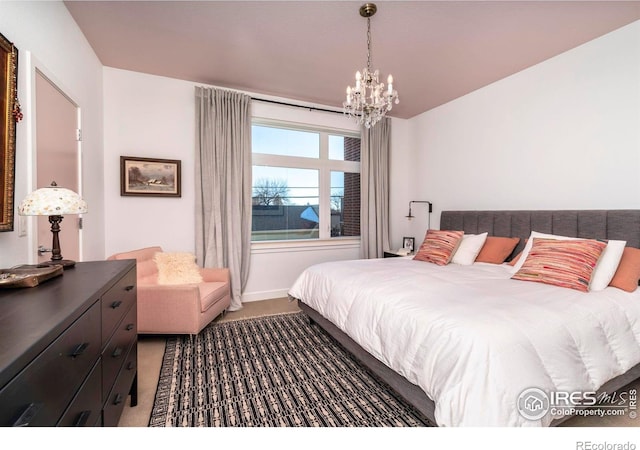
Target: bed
(462,343)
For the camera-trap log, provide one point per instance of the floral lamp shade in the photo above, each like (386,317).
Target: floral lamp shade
(52,201)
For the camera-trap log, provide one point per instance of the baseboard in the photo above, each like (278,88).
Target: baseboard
(264,295)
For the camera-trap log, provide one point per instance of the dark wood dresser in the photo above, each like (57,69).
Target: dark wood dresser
(68,347)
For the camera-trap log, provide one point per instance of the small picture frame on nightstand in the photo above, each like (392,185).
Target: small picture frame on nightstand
(409,243)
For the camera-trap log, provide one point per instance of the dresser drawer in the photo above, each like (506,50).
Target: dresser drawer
(39,394)
(116,351)
(85,409)
(116,302)
(118,396)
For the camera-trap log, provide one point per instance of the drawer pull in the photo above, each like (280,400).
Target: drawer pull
(116,304)
(27,416)
(117,352)
(129,327)
(82,419)
(131,365)
(79,350)
(118,399)
(128,288)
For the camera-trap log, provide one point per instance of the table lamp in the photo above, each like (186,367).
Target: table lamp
(53,201)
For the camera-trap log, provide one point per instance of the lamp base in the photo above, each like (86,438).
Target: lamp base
(65,263)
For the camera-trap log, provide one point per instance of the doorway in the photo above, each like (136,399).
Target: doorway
(58,159)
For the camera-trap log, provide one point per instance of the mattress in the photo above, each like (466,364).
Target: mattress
(473,339)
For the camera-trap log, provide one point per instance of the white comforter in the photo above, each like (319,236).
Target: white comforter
(472,338)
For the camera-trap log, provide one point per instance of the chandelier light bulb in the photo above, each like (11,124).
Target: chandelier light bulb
(368,101)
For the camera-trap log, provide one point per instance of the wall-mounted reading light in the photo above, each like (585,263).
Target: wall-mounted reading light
(410,216)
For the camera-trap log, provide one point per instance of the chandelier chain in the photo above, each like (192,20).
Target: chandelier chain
(369,43)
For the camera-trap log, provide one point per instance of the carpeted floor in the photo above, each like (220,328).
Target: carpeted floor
(271,371)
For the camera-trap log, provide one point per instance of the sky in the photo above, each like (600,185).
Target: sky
(302,183)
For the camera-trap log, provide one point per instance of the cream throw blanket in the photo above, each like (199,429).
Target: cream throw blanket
(177,268)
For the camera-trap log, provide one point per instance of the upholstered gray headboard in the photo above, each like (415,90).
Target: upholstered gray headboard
(622,224)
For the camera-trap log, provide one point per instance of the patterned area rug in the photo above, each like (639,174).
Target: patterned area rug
(269,372)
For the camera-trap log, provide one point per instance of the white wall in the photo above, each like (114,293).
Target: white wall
(151,116)
(48,38)
(564,134)
(402,163)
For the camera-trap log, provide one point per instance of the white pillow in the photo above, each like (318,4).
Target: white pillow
(607,265)
(605,268)
(469,247)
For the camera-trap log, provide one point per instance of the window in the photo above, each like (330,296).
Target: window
(306,183)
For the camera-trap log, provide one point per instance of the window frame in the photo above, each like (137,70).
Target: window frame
(324,166)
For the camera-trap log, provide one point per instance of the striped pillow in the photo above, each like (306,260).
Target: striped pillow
(439,246)
(564,263)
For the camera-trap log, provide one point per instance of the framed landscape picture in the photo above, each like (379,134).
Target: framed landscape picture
(149,177)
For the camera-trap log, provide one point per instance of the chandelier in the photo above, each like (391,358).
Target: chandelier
(368,101)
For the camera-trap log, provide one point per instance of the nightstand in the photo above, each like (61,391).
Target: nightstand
(391,254)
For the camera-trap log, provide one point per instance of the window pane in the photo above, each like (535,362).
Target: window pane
(278,141)
(345,204)
(285,204)
(344,148)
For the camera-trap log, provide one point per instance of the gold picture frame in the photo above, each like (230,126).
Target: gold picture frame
(8,75)
(150,177)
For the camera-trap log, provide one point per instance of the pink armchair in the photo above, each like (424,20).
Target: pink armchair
(176,309)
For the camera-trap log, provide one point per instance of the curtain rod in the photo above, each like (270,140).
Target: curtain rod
(311,108)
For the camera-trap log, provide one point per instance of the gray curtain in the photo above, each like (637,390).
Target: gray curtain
(374,173)
(223,184)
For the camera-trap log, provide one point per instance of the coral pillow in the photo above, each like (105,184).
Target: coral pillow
(628,274)
(469,247)
(177,268)
(496,249)
(439,246)
(564,263)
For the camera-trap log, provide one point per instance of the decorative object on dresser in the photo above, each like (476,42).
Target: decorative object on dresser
(150,177)
(53,201)
(28,276)
(69,348)
(168,304)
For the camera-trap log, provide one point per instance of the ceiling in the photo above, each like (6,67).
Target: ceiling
(310,50)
